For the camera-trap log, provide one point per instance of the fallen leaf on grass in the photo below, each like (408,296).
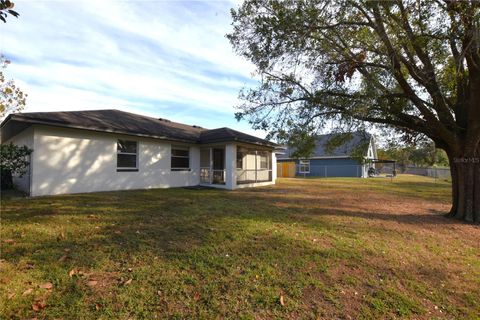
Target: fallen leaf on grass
(196,296)
(117,232)
(11,295)
(29,266)
(128,282)
(46,285)
(282,300)
(130,269)
(27,292)
(9,241)
(72,272)
(98,306)
(92,283)
(63,258)
(38,305)
(61,236)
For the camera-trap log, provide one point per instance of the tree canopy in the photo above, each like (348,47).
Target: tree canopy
(6,8)
(411,66)
(12,98)
(13,161)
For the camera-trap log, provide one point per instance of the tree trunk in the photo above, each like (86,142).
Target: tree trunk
(465,171)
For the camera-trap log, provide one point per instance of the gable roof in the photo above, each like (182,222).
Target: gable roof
(117,121)
(354,142)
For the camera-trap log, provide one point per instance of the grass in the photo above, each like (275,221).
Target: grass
(305,248)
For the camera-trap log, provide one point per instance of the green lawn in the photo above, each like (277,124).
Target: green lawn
(304,248)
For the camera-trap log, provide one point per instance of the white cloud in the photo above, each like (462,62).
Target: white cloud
(166,58)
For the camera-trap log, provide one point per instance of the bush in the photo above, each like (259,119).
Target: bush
(13,161)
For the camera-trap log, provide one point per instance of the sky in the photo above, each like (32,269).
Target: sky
(167,59)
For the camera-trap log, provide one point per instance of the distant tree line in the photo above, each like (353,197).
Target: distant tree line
(422,155)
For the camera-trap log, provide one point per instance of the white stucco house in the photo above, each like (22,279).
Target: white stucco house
(104,150)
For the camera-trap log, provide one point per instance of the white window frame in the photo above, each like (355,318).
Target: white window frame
(302,164)
(128,153)
(174,147)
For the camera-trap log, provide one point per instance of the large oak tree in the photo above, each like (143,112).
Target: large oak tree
(410,65)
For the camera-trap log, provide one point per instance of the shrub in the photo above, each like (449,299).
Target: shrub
(13,161)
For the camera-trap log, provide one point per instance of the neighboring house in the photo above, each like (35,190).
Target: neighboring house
(102,150)
(351,158)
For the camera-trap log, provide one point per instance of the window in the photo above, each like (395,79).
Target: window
(180,158)
(263,160)
(304,166)
(127,156)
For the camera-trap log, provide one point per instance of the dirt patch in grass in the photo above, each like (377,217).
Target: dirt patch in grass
(332,248)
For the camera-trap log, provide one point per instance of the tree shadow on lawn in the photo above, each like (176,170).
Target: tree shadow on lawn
(207,253)
(314,206)
(219,264)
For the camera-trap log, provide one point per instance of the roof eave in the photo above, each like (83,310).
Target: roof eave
(6,120)
(267,144)
(17,117)
(31,121)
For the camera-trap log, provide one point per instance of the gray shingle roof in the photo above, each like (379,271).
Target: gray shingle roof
(227,134)
(352,143)
(132,124)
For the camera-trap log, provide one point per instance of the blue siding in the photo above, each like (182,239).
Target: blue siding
(343,167)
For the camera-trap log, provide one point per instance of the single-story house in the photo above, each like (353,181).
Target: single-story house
(103,150)
(351,156)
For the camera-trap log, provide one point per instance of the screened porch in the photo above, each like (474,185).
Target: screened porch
(253,166)
(212,165)
(231,165)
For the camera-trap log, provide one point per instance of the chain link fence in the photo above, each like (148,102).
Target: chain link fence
(329,171)
(433,172)
(381,170)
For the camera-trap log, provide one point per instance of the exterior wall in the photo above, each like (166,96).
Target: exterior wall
(230,166)
(252,185)
(24,138)
(274,167)
(371,151)
(75,161)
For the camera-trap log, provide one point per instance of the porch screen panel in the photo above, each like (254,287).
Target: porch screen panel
(205,173)
(205,158)
(263,173)
(253,165)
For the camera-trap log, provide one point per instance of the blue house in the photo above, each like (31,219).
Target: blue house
(350,156)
